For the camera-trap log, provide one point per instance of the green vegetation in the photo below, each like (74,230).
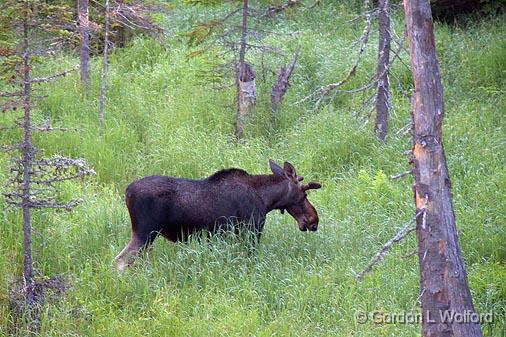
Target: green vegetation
(160,119)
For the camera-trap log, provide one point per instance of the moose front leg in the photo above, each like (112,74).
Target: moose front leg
(127,255)
(137,243)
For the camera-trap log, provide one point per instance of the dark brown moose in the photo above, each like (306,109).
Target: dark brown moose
(177,207)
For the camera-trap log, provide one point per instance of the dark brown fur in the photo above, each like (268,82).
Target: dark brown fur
(177,207)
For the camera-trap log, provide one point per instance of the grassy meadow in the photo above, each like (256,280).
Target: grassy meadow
(162,118)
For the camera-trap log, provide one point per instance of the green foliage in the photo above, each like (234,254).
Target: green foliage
(161,120)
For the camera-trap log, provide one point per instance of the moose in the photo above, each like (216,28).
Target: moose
(178,207)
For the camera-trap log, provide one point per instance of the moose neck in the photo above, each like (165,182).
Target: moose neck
(272,189)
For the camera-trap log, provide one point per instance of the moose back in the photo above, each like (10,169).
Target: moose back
(176,208)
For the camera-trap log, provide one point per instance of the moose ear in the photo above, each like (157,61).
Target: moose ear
(276,169)
(290,171)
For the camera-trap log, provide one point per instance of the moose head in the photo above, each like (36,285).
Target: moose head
(295,200)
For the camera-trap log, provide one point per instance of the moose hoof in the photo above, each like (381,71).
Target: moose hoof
(120,265)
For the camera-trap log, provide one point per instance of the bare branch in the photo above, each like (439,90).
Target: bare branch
(46,127)
(362,41)
(53,77)
(402,174)
(273,10)
(11,94)
(401,234)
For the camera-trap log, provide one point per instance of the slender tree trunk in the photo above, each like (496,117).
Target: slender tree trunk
(244,32)
(104,64)
(245,79)
(84,30)
(383,91)
(27,161)
(443,279)
(28,151)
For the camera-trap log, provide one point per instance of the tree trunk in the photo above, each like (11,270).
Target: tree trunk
(443,279)
(27,148)
(28,151)
(281,86)
(104,64)
(246,96)
(383,91)
(84,31)
(245,79)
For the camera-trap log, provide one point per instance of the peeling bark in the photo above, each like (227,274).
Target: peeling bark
(443,279)
(246,96)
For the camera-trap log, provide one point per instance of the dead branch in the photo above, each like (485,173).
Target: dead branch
(362,41)
(281,86)
(11,105)
(53,77)
(47,127)
(402,174)
(334,88)
(137,15)
(413,253)
(11,94)
(405,129)
(273,10)
(401,234)
(372,12)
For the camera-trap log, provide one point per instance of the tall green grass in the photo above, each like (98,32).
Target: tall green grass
(160,119)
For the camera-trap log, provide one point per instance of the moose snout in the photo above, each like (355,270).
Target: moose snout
(313,222)
(310,224)
(313,225)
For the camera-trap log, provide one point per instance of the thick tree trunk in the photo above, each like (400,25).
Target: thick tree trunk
(84,25)
(383,89)
(104,63)
(444,287)
(245,79)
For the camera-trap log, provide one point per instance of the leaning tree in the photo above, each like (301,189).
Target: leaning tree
(444,292)
(443,278)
